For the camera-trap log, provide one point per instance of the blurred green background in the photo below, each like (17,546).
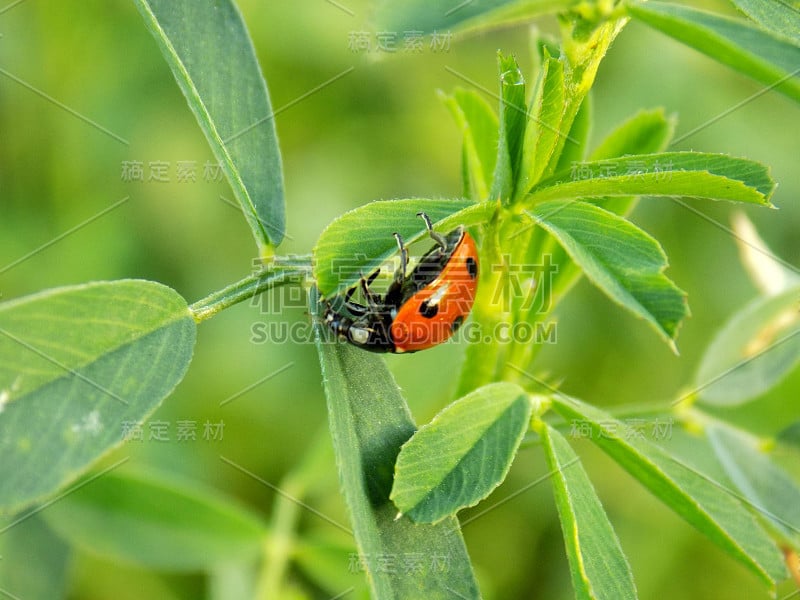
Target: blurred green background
(378,131)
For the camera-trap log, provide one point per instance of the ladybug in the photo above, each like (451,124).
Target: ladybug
(419,309)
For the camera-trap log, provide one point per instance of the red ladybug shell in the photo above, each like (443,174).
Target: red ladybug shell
(436,311)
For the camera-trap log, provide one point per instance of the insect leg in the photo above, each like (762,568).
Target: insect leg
(437,237)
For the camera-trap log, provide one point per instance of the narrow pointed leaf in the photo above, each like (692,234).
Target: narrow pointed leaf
(736,43)
(151,519)
(79,368)
(691,174)
(623,261)
(545,124)
(208,49)
(766,487)
(577,140)
(754,351)
(646,132)
(465,452)
(479,127)
(369,422)
(705,504)
(360,240)
(513,118)
(779,17)
(443,15)
(597,564)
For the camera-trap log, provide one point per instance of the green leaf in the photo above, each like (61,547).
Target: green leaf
(706,505)
(361,240)
(369,421)
(544,127)
(692,174)
(779,17)
(152,519)
(766,487)
(513,117)
(479,126)
(578,138)
(33,561)
(770,274)
(732,42)
(209,51)
(646,132)
(431,15)
(463,454)
(321,560)
(752,352)
(78,365)
(597,564)
(620,259)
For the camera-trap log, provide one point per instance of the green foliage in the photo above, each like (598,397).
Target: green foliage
(620,259)
(690,174)
(598,567)
(369,422)
(150,519)
(708,507)
(473,440)
(766,487)
(364,235)
(79,364)
(733,42)
(231,105)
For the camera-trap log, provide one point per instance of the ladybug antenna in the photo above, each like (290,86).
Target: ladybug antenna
(437,237)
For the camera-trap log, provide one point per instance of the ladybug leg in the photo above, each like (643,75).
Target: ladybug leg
(358,310)
(373,300)
(436,237)
(400,274)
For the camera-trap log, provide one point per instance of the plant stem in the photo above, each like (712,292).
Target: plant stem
(273,275)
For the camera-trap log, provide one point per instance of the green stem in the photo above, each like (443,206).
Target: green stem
(279,545)
(273,275)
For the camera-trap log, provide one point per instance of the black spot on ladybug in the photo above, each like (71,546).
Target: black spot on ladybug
(457,323)
(472,267)
(428,310)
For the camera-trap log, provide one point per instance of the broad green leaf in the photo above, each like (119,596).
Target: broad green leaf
(545,123)
(152,519)
(691,174)
(369,422)
(753,351)
(437,15)
(620,259)
(513,117)
(209,51)
(766,487)
(463,454)
(768,272)
(779,17)
(361,240)
(706,505)
(732,42)
(33,561)
(479,127)
(79,367)
(646,132)
(597,564)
